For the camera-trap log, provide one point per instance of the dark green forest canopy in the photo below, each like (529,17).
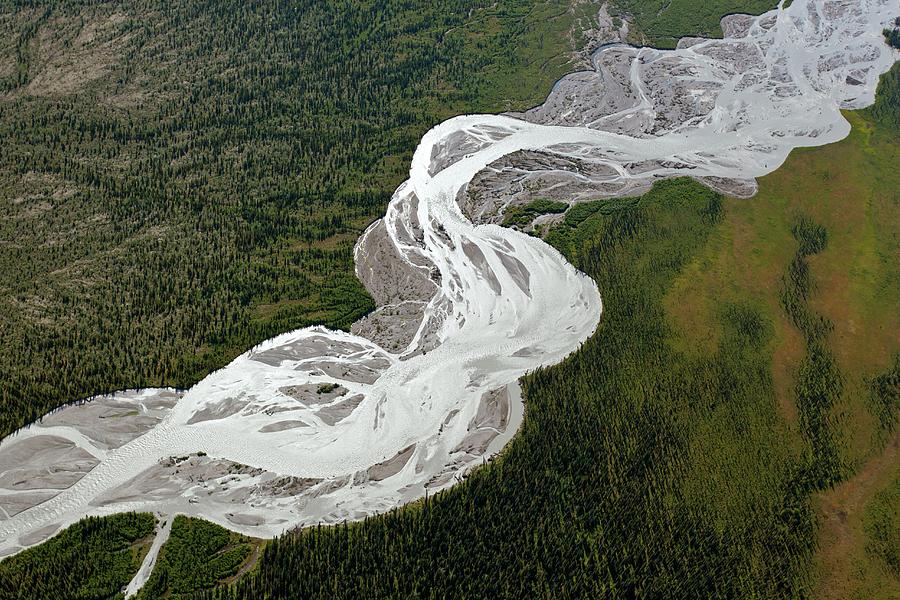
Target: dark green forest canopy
(91,560)
(181,180)
(886,110)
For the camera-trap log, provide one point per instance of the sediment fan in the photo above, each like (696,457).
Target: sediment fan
(321,426)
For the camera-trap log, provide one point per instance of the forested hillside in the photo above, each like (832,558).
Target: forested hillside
(181,180)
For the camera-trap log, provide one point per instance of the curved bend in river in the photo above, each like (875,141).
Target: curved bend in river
(321,426)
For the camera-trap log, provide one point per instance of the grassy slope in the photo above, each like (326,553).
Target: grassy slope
(851,189)
(882,525)
(91,560)
(526,52)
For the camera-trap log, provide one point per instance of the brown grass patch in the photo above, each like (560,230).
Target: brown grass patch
(68,57)
(250,562)
(845,570)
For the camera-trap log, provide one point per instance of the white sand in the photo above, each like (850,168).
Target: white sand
(164,528)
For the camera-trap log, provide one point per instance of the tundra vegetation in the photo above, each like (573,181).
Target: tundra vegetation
(661,23)
(521,216)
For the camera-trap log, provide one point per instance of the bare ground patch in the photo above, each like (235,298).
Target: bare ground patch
(845,571)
